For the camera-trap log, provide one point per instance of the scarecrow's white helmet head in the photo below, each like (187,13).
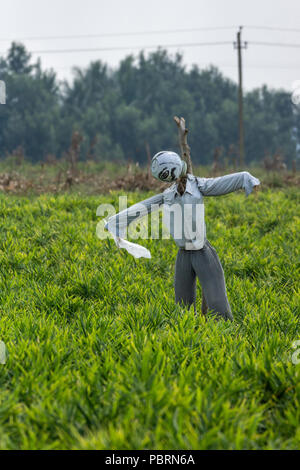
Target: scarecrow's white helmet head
(167,166)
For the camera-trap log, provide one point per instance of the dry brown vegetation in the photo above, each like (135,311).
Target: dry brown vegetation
(17,176)
(56,178)
(43,180)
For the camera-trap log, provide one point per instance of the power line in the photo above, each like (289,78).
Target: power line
(274,28)
(274,44)
(121,48)
(149,32)
(203,64)
(276,67)
(136,33)
(220,64)
(193,44)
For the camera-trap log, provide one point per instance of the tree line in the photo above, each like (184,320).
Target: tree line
(122,113)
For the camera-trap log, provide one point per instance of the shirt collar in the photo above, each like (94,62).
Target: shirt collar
(189,185)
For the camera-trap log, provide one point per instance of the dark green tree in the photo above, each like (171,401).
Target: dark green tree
(120,111)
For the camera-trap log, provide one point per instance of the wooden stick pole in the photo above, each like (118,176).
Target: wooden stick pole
(186,156)
(184,146)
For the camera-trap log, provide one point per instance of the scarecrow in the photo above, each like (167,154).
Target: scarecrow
(183,212)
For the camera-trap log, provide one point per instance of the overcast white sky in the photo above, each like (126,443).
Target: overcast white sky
(275,66)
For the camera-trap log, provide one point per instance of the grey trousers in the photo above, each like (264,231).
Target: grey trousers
(204,264)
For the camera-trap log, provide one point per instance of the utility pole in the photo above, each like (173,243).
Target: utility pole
(239,46)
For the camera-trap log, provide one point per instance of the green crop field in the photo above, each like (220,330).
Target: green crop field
(101,357)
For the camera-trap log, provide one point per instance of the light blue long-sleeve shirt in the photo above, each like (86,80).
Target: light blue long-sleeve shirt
(183,214)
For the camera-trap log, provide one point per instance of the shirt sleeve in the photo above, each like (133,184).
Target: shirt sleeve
(227,184)
(118,223)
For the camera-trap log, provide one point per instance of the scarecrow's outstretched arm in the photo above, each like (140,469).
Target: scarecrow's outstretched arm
(227,184)
(117,224)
